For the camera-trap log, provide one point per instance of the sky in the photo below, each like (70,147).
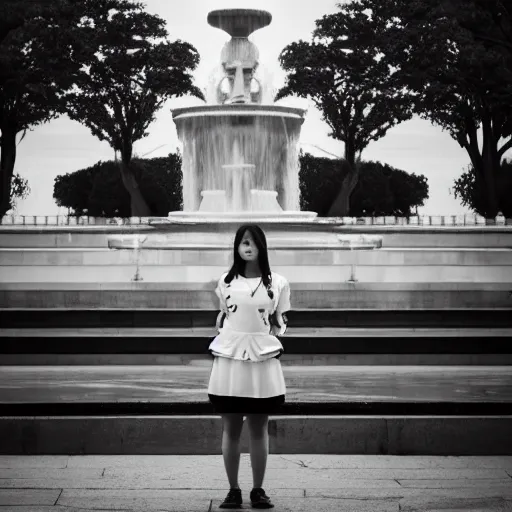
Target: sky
(415,146)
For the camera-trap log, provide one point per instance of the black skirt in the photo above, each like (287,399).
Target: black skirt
(246,405)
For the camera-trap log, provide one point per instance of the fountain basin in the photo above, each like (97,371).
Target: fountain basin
(218,231)
(205,217)
(264,136)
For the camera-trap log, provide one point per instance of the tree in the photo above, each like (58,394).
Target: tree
(469,190)
(19,190)
(72,190)
(49,48)
(454,57)
(43,44)
(381,189)
(341,72)
(135,70)
(98,190)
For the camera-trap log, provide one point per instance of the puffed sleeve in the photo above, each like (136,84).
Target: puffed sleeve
(284,298)
(283,305)
(220,292)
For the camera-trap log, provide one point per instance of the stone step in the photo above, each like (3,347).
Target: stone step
(314,318)
(322,409)
(133,410)
(324,295)
(152,359)
(303,346)
(289,434)
(392,236)
(323,388)
(339,334)
(316,275)
(434,256)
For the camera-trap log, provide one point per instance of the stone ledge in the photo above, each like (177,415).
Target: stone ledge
(82,316)
(441,435)
(292,332)
(141,286)
(286,359)
(358,296)
(284,258)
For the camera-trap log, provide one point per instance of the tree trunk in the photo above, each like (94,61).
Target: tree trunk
(7,161)
(341,204)
(139,207)
(491,165)
(485,163)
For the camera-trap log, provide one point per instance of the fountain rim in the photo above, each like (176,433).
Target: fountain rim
(243,109)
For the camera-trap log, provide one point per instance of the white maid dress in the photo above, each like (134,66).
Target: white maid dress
(245,363)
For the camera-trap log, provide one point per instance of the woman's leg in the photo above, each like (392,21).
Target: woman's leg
(232,425)
(258,430)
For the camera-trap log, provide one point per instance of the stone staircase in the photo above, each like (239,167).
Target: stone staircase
(401,350)
(372,382)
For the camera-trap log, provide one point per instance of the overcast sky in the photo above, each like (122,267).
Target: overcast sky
(64,145)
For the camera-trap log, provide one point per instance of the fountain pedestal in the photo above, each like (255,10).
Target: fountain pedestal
(265,201)
(239,198)
(213,201)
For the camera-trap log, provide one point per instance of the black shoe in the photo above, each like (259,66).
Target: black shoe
(259,499)
(233,499)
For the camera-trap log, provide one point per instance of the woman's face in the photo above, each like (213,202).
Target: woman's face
(247,248)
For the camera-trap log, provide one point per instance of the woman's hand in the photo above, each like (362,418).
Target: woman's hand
(220,320)
(279,330)
(275,330)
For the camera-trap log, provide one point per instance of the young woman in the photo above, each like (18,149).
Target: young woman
(246,377)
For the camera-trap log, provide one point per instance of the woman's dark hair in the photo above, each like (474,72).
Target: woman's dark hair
(238,267)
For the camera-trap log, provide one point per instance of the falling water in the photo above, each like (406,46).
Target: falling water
(262,137)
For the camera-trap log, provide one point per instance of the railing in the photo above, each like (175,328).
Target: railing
(71,220)
(420,220)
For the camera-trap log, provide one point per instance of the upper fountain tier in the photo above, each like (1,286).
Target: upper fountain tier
(239,22)
(239,57)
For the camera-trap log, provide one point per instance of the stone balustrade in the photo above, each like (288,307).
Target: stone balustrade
(420,220)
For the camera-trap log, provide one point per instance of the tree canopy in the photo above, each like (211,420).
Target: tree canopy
(352,86)
(134,72)
(448,61)
(381,189)
(455,59)
(471,194)
(53,56)
(98,191)
(20,189)
(39,54)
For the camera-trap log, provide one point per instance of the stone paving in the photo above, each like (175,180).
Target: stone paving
(294,483)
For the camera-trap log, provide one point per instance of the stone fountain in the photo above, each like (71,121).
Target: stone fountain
(240,159)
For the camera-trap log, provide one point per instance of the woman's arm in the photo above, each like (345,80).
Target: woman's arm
(219,291)
(283,305)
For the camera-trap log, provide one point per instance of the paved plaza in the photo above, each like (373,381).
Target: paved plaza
(294,483)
